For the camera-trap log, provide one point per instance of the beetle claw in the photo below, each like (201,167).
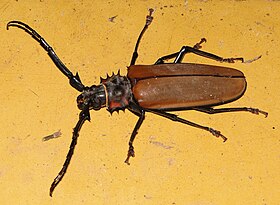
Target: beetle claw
(224,138)
(264,113)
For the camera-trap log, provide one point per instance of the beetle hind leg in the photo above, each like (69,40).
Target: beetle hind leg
(195,50)
(186,49)
(210,110)
(175,118)
(174,55)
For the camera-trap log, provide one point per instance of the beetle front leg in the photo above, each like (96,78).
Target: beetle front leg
(74,81)
(210,110)
(141,113)
(149,20)
(84,115)
(173,117)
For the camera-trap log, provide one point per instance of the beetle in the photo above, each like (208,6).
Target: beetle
(157,89)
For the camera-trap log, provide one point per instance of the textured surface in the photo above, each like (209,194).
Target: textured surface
(174,163)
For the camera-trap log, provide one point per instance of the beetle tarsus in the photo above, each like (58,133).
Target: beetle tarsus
(130,153)
(252,60)
(232,60)
(217,134)
(198,45)
(149,17)
(257,111)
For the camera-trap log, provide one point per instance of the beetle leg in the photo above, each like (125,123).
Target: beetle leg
(210,110)
(141,113)
(149,20)
(74,81)
(187,49)
(174,55)
(84,115)
(195,49)
(174,117)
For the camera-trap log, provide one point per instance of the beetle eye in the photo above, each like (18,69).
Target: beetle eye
(81,102)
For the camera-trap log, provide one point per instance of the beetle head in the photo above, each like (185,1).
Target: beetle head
(93,97)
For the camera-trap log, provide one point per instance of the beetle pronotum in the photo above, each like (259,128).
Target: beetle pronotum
(157,88)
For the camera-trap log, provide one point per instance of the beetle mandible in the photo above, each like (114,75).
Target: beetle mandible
(157,88)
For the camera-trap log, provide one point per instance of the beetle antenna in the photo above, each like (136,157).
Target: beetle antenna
(74,81)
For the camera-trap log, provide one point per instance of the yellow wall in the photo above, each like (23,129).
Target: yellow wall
(174,163)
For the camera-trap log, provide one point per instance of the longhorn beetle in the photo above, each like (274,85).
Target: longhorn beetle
(157,88)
